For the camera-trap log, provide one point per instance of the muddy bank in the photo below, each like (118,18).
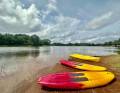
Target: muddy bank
(24,80)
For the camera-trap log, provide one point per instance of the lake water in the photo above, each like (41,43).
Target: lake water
(20,63)
(11,58)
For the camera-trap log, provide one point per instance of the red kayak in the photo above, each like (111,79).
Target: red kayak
(59,80)
(76,80)
(82,66)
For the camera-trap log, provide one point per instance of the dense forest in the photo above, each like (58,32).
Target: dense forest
(22,39)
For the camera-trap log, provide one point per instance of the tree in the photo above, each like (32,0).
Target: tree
(35,40)
(22,39)
(45,42)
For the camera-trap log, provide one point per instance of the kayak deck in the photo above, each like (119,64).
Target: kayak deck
(76,80)
(85,57)
(82,66)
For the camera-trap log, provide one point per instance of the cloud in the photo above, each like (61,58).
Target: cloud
(13,14)
(102,38)
(61,30)
(99,22)
(63,26)
(50,7)
(16,18)
(51,22)
(70,29)
(9,19)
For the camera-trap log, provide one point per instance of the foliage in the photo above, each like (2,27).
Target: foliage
(110,43)
(22,39)
(34,40)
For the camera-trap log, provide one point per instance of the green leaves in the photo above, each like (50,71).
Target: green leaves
(22,39)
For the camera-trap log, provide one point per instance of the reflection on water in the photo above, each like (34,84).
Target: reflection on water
(8,52)
(118,50)
(33,53)
(22,52)
(14,58)
(88,50)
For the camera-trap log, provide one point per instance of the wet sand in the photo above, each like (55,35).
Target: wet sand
(24,81)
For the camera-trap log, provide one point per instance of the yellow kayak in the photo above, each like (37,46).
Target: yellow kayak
(82,66)
(85,57)
(76,80)
(96,79)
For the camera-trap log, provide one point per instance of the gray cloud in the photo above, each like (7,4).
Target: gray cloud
(99,22)
(51,23)
(15,18)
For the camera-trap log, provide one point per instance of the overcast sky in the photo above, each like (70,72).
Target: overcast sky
(62,20)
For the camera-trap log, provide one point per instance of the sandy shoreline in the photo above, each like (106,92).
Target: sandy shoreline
(24,81)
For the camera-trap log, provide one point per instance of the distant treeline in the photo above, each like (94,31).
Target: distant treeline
(22,39)
(110,43)
(113,43)
(34,40)
(73,44)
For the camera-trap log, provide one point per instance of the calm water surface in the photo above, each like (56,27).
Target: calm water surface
(19,64)
(12,58)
